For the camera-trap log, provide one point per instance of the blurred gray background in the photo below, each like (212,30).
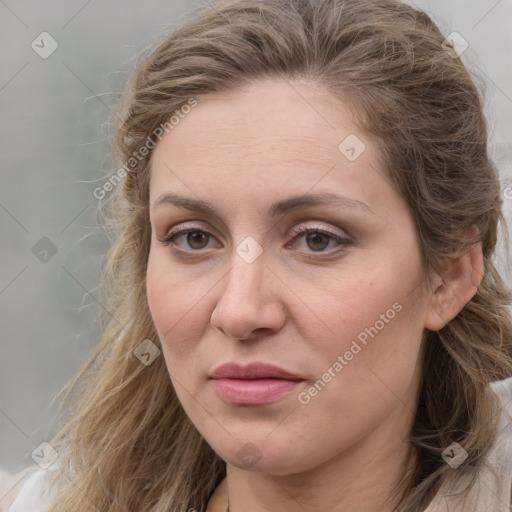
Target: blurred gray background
(55,114)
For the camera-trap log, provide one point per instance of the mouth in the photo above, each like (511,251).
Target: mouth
(254,384)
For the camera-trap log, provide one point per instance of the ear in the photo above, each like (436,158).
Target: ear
(454,289)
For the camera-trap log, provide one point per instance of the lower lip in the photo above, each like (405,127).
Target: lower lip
(253,392)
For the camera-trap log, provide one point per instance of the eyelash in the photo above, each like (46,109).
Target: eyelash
(297,232)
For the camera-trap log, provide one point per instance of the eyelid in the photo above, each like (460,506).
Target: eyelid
(184,228)
(303,227)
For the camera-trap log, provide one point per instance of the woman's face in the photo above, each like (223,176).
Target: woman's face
(327,289)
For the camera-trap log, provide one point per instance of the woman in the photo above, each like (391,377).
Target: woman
(301,310)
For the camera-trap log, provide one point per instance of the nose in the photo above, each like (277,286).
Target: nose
(250,300)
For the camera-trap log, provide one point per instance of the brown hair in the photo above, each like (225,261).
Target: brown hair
(129,442)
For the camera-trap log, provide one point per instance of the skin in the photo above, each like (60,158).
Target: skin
(300,304)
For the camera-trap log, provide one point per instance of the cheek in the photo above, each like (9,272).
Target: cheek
(375,376)
(166,298)
(178,307)
(367,332)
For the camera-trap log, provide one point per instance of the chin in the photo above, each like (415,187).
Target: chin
(261,454)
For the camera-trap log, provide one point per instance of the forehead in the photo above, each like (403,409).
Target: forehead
(260,139)
(259,114)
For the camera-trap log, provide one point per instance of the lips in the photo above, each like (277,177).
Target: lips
(252,371)
(254,384)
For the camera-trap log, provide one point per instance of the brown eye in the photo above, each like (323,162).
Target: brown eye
(196,239)
(317,240)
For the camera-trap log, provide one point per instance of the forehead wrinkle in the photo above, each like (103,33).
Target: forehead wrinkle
(251,141)
(312,153)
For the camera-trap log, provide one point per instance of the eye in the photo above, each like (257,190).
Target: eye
(196,239)
(318,239)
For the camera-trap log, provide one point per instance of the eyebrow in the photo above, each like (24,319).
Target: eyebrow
(281,207)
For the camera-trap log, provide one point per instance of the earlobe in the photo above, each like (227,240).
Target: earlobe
(459,283)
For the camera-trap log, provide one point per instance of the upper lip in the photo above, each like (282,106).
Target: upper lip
(256,370)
